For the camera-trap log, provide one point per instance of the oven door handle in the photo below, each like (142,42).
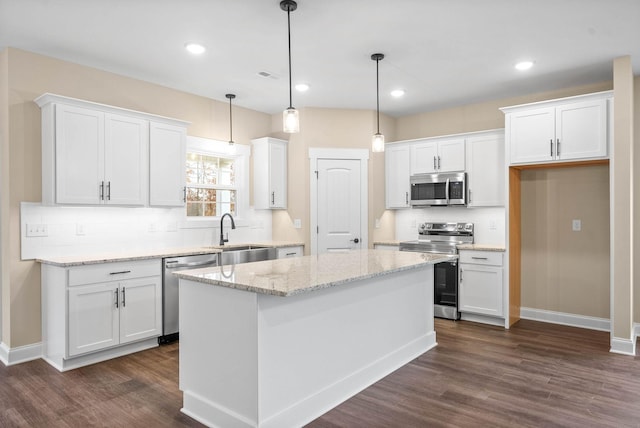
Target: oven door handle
(446,190)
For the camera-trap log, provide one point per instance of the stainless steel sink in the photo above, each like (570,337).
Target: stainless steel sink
(237,255)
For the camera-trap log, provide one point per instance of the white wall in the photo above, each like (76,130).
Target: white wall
(489,227)
(109,229)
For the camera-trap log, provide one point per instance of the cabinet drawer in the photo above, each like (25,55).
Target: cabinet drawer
(117,271)
(289,252)
(491,258)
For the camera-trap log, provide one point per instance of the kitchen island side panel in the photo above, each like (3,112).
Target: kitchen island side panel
(291,359)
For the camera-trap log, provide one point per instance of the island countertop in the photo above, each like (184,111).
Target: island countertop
(291,276)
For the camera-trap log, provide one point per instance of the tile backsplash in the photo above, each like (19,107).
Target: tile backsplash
(81,230)
(489,223)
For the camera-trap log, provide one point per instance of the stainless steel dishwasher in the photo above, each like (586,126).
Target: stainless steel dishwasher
(170,295)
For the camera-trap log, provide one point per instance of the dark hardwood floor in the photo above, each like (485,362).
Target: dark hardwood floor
(536,374)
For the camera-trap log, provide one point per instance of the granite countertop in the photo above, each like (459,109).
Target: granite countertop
(481,247)
(288,277)
(132,255)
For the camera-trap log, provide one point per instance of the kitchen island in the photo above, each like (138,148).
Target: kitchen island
(278,343)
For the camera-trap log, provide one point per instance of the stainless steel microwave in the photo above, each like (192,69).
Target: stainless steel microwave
(439,189)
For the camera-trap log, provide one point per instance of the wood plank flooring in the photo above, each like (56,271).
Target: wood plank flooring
(534,375)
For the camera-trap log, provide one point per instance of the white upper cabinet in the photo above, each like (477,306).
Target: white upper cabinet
(440,155)
(485,169)
(125,160)
(94,154)
(167,153)
(396,174)
(79,155)
(568,129)
(269,173)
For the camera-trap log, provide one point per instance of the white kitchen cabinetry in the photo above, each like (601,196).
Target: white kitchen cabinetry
(481,283)
(286,252)
(397,160)
(269,173)
(485,169)
(567,129)
(95,312)
(94,154)
(167,162)
(438,155)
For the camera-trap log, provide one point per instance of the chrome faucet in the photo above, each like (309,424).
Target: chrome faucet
(233,226)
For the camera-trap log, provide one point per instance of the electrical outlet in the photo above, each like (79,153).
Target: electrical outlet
(297,223)
(377,223)
(40,230)
(80,229)
(576,225)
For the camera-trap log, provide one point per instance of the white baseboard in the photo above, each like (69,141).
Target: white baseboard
(623,346)
(573,320)
(20,354)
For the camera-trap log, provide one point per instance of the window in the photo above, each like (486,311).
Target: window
(211,185)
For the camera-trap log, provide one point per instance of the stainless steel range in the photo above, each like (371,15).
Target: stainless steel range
(442,238)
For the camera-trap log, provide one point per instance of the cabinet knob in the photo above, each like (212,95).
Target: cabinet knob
(356,240)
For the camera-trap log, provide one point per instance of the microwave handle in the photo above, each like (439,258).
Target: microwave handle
(446,190)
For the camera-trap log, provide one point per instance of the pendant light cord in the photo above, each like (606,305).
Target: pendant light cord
(289,35)
(378,94)
(230,122)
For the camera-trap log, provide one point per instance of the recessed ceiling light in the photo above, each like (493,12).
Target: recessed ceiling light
(302,87)
(524,65)
(397,93)
(195,48)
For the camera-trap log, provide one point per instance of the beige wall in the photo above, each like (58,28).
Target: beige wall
(30,75)
(478,117)
(332,128)
(563,270)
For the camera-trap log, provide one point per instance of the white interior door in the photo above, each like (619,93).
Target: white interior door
(339,205)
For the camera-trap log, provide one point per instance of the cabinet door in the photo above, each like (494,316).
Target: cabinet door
(451,156)
(396,171)
(531,135)
(126,145)
(480,290)
(424,158)
(140,309)
(79,155)
(167,153)
(581,130)
(277,175)
(93,322)
(485,170)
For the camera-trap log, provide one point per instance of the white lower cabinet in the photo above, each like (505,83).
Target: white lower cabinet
(481,283)
(95,312)
(286,252)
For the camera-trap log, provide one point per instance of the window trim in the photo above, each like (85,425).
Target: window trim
(241,154)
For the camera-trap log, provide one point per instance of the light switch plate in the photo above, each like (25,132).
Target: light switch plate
(576,225)
(34,230)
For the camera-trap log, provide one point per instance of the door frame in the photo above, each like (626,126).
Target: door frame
(361,155)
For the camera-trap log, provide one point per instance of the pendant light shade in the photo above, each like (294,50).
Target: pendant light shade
(377,142)
(230,97)
(290,117)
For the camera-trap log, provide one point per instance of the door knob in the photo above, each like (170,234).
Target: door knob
(355,240)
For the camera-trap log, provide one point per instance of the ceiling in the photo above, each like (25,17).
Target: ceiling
(441,52)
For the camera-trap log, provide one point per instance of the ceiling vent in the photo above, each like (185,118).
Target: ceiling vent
(267,75)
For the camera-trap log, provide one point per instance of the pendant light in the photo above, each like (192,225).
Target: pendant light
(377,142)
(290,117)
(230,97)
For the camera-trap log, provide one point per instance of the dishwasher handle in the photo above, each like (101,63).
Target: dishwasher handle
(175,265)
